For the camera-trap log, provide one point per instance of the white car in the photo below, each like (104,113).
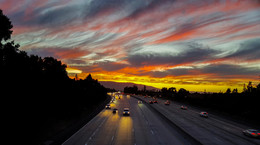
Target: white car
(252,133)
(204,114)
(126,111)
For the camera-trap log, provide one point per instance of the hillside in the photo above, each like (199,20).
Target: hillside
(120,86)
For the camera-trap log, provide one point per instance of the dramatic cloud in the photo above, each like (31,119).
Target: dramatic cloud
(192,54)
(230,70)
(111,66)
(167,41)
(248,51)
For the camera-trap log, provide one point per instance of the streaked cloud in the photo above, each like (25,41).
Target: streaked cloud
(184,42)
(193,53)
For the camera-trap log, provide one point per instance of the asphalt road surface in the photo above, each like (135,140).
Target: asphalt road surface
(215,130)
(142,127)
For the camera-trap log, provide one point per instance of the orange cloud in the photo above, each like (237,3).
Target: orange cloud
(69,53)
(177,36)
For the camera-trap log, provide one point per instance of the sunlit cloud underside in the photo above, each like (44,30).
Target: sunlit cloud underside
(193,44)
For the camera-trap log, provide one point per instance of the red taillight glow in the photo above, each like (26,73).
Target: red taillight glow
(258,133)
(253,133)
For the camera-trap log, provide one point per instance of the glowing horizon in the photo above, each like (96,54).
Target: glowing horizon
(188,82)
(197,45)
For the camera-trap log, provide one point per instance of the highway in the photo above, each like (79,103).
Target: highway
(215,130)
(142,127)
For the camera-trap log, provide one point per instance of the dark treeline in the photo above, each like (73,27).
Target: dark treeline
(36,93)
(244,105)
(131,90)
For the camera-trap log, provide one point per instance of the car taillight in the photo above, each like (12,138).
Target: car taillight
(258,133)
(253,133)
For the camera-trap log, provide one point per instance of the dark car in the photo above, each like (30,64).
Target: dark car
(151,102)
(114,110)
(183,107)
(204,114)
(126,112)
(155,101)
(167,102)
(252,133)
(108,106)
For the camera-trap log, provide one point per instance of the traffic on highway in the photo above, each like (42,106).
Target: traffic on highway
(140,120)
(206,128)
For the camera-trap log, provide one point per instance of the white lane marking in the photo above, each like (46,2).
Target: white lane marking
(218,139)
(112,138)
(94,133)
(83,127)
(152,132)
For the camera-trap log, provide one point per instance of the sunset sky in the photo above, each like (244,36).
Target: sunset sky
(198,45)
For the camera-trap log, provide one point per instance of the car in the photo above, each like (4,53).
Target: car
(126,112)
(108,106)
(183,107)
(252,133)
(114,110)
(204,114)
(140,102)
(167,102)
(155,101)
(150,102)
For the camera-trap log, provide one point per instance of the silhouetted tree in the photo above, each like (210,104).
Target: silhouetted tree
(37,93)
(131,90)
(228,91)
(164,90)
(89,78)
(234,91)
(183,92)
(249,87)
(258,87)
(76,77)
(5,27)
(172,90)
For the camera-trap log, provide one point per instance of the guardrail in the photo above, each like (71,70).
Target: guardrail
(187,136)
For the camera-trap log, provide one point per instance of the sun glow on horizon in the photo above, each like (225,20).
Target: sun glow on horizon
(187,82)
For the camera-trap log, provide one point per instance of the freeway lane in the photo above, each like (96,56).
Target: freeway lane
(214,130)
(142,127)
